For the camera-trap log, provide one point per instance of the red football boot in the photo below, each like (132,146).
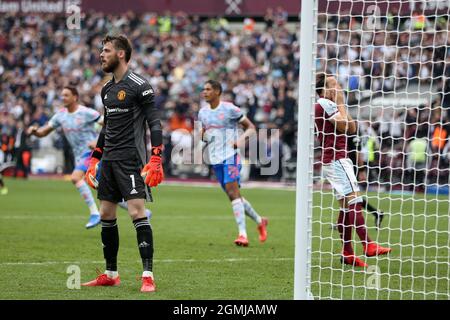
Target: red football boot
(353,261)
(103,280)
(241,241)
(372,249)
(148,285)
(262,229)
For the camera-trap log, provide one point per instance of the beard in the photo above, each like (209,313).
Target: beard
(112,65)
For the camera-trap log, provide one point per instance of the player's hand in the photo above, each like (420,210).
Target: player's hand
(153,172)
(31,130)
(92,145)
(91,173)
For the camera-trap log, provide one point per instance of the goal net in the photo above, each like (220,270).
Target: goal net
(392,60)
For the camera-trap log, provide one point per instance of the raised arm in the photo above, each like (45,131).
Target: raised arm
(344,123)
(348,126)
(39,132)
(342,119)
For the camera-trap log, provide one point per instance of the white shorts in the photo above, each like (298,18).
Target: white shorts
(341,176)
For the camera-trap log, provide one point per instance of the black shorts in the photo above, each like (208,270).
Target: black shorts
(121,180)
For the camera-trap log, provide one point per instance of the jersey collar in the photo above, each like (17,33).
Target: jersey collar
(76,110)
(216,108)
(127,73)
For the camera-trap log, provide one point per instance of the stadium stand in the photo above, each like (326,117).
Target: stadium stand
(258,65)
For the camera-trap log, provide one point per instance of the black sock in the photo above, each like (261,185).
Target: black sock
(110,241)
(144,235)
(369,207)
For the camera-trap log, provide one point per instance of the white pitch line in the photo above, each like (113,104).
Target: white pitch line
(45,263)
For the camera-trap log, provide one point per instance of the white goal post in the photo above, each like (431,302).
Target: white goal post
(303,208)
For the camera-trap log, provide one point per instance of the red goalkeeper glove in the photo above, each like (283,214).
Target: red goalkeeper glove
(92,171)
(153,172)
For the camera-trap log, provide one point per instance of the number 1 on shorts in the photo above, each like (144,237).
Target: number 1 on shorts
(133,183)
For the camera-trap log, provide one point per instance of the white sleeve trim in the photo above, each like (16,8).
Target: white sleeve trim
(328,106)
(334,115)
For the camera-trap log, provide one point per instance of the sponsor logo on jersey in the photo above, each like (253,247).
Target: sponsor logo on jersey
(146,92)
(121,95)
(115,110)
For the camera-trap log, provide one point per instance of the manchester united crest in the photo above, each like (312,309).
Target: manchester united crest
(121,95)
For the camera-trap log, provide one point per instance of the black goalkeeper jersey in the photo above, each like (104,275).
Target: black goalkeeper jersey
(125,105)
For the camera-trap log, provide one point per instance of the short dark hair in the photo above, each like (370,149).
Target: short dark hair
(72,89)
(320,82)
(215,85)
(120,43)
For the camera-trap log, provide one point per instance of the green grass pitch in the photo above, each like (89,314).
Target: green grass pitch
(42,233)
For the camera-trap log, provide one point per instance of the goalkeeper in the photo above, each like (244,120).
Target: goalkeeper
(78,124)
(129,105)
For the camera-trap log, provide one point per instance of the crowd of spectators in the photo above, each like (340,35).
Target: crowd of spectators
(380,56)
(406,149)
(403,146)
(257,66)
(176,52)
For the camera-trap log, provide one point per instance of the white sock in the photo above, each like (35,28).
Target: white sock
(147,274)
(87,196)
(239,216)
(93,209)
(112,274)
(251,212)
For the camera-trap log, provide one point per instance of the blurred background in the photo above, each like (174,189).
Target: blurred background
(178,45)
(252,48)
